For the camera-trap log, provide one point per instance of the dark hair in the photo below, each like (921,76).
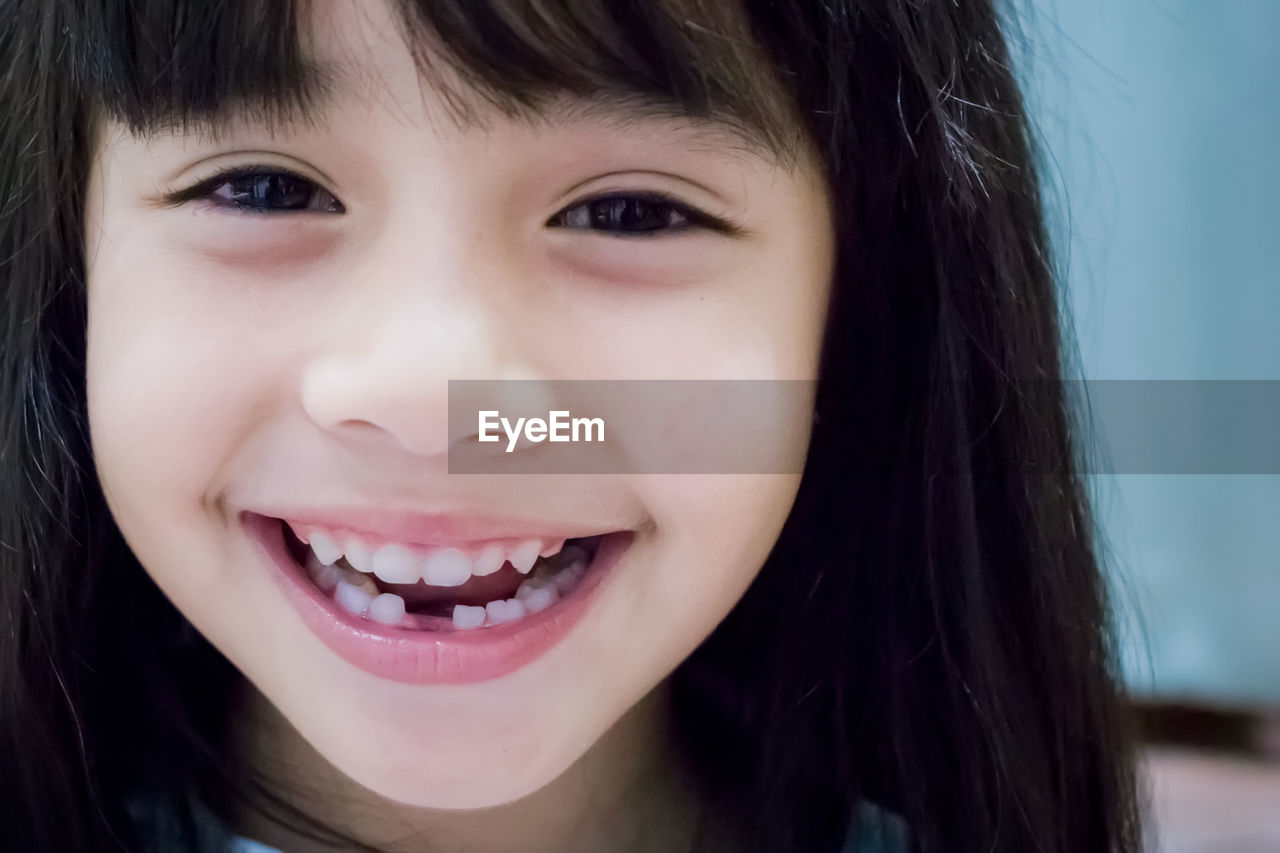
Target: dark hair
(936,642)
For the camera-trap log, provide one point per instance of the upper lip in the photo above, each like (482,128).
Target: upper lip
(431,529)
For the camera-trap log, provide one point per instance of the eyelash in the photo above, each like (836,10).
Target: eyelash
(635,207)
(206,190)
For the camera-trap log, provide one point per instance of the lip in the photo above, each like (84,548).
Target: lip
(430,657)
(423,530)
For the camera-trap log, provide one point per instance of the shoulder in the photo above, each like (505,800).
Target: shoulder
(244,845)
(164,825)
(876,830)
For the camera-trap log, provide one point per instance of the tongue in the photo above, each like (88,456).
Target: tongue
(476,591)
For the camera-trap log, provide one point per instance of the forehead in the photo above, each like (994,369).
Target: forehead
(359,55)
(470,60)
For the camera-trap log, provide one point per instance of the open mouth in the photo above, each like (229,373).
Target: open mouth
(466,588)
(438,613)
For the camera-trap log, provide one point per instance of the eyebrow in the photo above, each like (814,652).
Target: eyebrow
(319,86)
(626,112)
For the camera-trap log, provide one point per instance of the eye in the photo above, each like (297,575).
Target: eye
(260,189)
(636,215)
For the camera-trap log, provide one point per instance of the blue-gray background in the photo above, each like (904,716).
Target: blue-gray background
(1162,119)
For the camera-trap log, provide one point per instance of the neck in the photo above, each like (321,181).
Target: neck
(629,792)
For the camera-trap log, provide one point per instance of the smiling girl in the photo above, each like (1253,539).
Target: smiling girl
(246,245)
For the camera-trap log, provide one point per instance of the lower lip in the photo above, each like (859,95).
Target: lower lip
(430,657)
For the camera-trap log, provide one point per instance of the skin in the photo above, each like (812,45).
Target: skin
(237,360)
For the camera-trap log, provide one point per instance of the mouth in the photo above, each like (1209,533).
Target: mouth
(443,589)
(439,613)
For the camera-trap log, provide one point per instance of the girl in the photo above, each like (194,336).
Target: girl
(244,247)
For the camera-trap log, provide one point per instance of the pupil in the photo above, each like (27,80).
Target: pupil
(629,214)
(278,192)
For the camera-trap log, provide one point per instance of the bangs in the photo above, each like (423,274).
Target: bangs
(174,64)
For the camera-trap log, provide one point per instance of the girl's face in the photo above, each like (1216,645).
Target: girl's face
(251,368)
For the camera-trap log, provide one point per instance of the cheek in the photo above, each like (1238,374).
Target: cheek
(759,317)
(157,395)
(179,354)
(174,386)
(172,383)
(716,533)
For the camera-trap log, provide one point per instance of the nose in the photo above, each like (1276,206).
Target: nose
(410,321)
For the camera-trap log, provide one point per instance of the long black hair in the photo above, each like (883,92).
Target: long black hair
(931,632)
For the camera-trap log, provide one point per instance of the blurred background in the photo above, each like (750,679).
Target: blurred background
(1161,119)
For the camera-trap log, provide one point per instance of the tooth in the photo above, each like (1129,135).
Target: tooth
(311,562)
(358,555)
(541,599)
(465,616)
(387,608)
(396,564)
(526,588)
(447,567)
(567,578)
(501,611)
(525,555)
(352,598)
(572,554)
(552,549)
(489,561)
(360,581)
(324,577)
(326,551)
(327,577)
